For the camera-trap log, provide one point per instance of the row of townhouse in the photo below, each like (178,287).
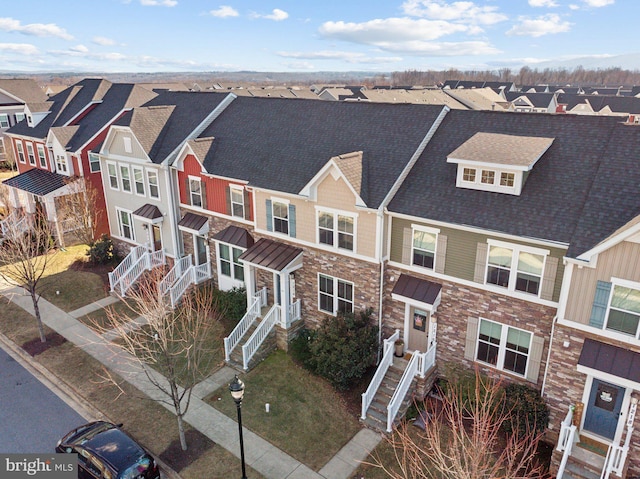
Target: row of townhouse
(503,241)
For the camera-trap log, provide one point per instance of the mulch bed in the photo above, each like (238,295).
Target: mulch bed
(197,444)
(35,346)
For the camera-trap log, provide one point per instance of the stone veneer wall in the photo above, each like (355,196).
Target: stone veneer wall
(458,304)
(565,385)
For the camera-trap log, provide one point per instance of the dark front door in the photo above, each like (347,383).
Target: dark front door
(603,410)
(157,238)
(201,250)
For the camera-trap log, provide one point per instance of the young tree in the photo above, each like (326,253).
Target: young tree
(78,212)
(25,254)
(464,438)
(177,343)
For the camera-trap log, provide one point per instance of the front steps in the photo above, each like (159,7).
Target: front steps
(267,346)
(584,464)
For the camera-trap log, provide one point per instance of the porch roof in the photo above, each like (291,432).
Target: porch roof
(38,182)
(416,289)
(149,212)
(196,223)
(271,255)
(610,359)
(236,236)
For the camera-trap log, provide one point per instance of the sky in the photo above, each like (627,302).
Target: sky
(307,36)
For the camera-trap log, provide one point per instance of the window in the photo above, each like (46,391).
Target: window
(195,192)
(469,174)
(138,180)
(94,162)
(125,178)
(113,175)
(281,217)
(424,248)
(624,310)
(335,229)
(61,163)
(4,120)
(230,265)
(503,347)
(334,295)
(31,154)
(515,269)
(19,117)
(42,157)
(152,178)
(125,224)
(507,179)
(237,202)
(488,177)
(20,150)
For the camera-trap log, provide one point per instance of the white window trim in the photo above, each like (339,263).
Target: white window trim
(126,142)
(62,164)
(135,183)
(20,117)
(119,221)
(275,200)
(240,190)
(189,192)
(31,154)
(232,264)
(335,293)
(91,155)
(20,152)
(513,269)
(157,185)
(117,176)
(625,283)
(425,229)
(495,186)
(335,213)
(122,179)
(4,116)
(42,156)
(502,347)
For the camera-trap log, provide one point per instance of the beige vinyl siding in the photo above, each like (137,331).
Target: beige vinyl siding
(461,250)
(621,261)
(116,148)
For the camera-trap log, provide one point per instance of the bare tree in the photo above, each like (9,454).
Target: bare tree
(25,254)
(180,343)
(464,438)
(78,212)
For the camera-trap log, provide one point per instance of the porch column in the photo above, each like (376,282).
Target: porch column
(285,310)
(249,281)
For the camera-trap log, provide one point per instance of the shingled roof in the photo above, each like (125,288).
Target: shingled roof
(280,144)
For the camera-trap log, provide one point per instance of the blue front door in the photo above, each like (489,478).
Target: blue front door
(603,410)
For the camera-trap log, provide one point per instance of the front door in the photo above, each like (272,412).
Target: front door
(603,409)
(418,330)
(201,250)
(157,239)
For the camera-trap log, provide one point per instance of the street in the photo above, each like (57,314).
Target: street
(32,417)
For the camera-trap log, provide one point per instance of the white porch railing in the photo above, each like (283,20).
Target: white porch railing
(294,313)
(617,455)
(264,328)
(202,272)
(401,390)
(174,273)
(12,226)
(566,440)
(125,265)
(253,311)
(387,360)
(262,294)
(426,360)
(148,260)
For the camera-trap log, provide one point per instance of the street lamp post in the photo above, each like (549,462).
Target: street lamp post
(237,392)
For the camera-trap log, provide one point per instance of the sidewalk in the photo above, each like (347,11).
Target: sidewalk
(265,458)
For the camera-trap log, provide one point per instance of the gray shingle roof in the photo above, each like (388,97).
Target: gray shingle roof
(24,89)
(38,182)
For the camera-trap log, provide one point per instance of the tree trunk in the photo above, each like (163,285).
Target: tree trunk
(36,310)
(178,409)
(183,439)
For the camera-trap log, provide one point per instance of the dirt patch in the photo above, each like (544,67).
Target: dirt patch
(178,459)
(35,346)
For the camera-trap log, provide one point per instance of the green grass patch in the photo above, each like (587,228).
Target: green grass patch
(98,320)
(70,290)
(307,418)
(17,324)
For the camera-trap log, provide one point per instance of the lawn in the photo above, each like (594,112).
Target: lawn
(98,320)
(307,418)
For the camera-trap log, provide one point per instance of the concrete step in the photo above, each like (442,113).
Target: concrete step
(576,470)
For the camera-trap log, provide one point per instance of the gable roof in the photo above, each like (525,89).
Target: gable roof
(557,189)
(255,137)
(38,182)
(352,167)
(25,90)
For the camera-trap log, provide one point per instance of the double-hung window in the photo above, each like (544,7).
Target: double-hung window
(503,347)
(230,265)
(152,179)
(42,157)
(112,171)
(424,247)
(237,201)
(61,164)
(138,180)
(280,217)
(195,192)
(4,120)
(515,267)
(125,178)
(125,224)
(20,117)
(94,162)
(20,150)
(336,229)
(623,314)
(334,295)
(31,154)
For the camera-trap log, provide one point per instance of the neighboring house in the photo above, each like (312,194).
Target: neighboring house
(532,102)
(423,96)
(477,98)
(14,95)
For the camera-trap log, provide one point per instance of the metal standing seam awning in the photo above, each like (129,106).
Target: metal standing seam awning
(274,256)
(194,223)
(419,292)
(39,182)
(610,359)
(149,213)
(236,236)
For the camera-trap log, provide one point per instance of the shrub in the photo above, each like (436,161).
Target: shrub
(299,347)
(528,409)
(101,252)
(232,303)
(343,348)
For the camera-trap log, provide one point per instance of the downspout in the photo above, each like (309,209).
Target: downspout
(383,207)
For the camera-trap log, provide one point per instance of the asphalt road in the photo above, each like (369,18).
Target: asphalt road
(32,417)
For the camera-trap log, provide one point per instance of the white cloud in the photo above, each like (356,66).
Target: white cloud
(224,11)
(158,3)
(441,49)
(456,11)
(276,15)
(537,27)
(35,29)
(543,3)
(104,41)
(79,49)
(21,48)
(349,57)
(375,32)
(598,3)
(573,6)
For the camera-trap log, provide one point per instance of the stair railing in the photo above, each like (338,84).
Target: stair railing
(566,440)
(259,335)
(617,455)
(387,360)
(174,273)
(401,391)
(231,341)
(427,360)
(294,313)
(126,264)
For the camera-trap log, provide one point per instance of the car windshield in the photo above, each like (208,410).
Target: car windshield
(89,433)
(137,469)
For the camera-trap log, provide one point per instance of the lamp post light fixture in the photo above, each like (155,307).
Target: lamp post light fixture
(236,387)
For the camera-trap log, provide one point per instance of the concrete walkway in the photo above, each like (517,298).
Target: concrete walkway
(261,455)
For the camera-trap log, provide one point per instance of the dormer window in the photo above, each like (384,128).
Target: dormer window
(496,162)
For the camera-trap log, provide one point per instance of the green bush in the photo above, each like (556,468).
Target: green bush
(528,409)
(232,303)
(101,252)
(343,348)
(299,347)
